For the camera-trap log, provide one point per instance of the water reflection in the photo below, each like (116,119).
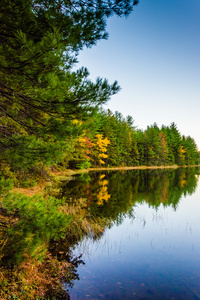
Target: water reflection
(152,249)
(144,232)
(113,194)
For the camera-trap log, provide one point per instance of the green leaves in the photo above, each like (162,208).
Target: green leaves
(5,186)
(38,221)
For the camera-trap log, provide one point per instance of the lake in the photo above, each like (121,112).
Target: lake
(151,246)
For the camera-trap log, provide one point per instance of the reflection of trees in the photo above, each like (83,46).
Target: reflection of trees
(32,251)
(126,188)
(166,186)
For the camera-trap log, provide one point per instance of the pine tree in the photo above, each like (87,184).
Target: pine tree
(39,94)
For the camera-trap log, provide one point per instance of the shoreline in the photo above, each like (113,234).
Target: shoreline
(69,174)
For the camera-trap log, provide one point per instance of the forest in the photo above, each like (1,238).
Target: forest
(111,140)
(52,116)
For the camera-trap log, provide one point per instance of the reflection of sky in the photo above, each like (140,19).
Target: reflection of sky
(154,55)
(158,249)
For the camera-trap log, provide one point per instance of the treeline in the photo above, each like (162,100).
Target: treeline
(108,139)
(49,114)
(111,140)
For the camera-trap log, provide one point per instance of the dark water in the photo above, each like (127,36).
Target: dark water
(151,249)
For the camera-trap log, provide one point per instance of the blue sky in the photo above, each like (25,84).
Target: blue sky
(154,55)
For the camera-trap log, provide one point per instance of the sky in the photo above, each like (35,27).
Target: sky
(154,54)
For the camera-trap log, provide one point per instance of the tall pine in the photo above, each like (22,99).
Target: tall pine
(39,94)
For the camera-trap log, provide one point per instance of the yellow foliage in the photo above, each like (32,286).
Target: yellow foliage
(81,140)
(103,155)
(102,143)
(101,147)
(104,182)
(77,122)
(183,183)
(182,150)
(182,153)
(103,195)
(103,192)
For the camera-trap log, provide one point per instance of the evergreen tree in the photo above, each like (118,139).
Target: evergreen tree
(142,147)
(39,94)
(174,141)
(191,151)
(122,149)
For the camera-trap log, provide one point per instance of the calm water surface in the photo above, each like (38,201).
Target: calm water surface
(151,250)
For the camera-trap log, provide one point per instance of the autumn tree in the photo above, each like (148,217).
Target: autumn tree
(100,149)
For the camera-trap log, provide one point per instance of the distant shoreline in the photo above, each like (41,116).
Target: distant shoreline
(141,167)
(74,172)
